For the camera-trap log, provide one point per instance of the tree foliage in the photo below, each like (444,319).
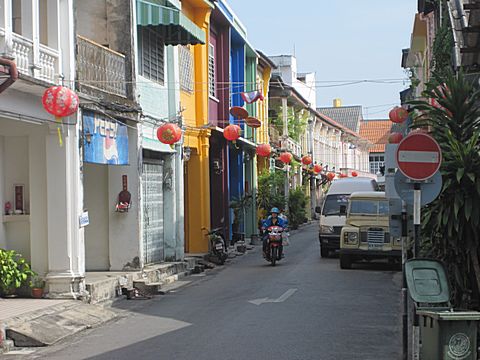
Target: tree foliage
(451,224)
(297,121)
(297,201)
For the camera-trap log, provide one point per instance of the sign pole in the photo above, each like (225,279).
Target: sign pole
(417,201)
(404,283)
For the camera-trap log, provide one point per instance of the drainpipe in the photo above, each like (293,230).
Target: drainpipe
(12,70)
(457,60)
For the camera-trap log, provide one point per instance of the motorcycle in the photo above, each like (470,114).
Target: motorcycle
(218,247)
(275,239)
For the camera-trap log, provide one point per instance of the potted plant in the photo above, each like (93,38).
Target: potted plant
(37,287)
(14,272)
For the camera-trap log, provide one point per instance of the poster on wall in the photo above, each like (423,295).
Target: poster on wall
(105,141)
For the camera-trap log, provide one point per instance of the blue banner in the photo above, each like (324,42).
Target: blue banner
(105,141)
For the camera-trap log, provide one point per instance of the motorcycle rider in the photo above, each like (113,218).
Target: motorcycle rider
(272,220)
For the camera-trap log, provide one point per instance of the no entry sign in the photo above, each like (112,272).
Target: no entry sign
(419,156)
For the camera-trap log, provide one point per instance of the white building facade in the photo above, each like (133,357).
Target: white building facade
(39,176)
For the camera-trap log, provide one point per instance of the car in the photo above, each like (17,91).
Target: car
(366,234)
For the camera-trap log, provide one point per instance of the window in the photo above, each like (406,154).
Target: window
(211,71)
(151,51)
(376,161)
(186,68)
(332,204)
(369,207)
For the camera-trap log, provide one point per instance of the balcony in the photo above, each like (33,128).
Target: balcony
(292,146)
(35,60)
(100,68)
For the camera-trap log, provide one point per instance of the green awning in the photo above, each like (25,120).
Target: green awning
(174,26)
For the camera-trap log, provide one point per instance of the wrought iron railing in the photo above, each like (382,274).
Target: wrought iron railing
(100,67)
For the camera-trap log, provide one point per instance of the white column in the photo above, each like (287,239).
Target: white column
(67,41)
(285,116)
(7,23)
(65,246)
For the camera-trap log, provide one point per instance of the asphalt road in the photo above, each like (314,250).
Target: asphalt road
(304,308)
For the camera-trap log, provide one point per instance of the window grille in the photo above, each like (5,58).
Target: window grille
(151,55)
(186,68)
(376,161)
(211,70)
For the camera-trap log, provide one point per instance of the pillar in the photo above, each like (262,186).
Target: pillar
(66,265)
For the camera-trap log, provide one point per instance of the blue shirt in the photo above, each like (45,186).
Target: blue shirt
(280,222)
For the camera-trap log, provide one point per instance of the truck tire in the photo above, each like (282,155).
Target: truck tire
(345,262)
(324,252)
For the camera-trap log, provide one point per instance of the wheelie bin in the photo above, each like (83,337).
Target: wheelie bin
(445,333)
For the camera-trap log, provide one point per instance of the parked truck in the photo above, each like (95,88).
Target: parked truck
(366,234)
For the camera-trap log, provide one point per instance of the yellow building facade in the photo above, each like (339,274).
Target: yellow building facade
(264,73)
(194,107)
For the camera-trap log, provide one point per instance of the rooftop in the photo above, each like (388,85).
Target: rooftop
(377,132)
(348,116)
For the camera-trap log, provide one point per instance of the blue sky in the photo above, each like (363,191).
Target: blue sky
(338,40)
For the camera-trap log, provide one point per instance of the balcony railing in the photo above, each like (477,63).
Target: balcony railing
(100,68)
(292,146)
(44,67)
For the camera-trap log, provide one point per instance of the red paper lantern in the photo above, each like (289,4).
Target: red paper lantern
(60,101)
(330,176)
(169,133)
(317,169)
(286,157)
(264,150)
(306,160)
(354,174)
(398,115)
(395,138)
(232,132)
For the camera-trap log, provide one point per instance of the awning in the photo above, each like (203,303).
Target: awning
(174,26)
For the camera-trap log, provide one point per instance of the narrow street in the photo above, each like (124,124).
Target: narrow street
(306,308)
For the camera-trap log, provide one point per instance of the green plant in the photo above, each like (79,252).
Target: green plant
(14,271)
(451,224)
(270,192)
(297,201)
(297,121)
(239,205)
(38,282)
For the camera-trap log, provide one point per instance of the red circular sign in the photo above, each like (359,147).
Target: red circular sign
(419,156)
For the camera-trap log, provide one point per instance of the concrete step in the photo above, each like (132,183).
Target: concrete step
(147,288)
(49,329)
(107,286)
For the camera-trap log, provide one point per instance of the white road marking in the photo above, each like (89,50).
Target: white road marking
(282,298)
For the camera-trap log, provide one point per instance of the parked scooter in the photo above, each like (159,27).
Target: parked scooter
(218,246)
(275,239)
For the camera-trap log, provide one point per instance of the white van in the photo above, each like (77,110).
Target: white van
(334,210)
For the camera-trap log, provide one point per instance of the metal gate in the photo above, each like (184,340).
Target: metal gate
(152,184)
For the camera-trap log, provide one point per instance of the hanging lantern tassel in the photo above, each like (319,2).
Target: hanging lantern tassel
(59,130)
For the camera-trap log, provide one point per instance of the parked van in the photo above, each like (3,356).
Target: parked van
(334,210)
(366,235)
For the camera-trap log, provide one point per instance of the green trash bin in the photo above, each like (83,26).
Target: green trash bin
(445,333)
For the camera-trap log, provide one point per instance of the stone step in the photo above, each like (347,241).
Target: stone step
(147,288)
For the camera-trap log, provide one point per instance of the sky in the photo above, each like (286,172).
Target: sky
(338,40)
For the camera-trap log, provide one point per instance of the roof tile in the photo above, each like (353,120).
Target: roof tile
(377,132)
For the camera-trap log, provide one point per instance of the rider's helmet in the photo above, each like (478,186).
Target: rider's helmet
(275,210)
